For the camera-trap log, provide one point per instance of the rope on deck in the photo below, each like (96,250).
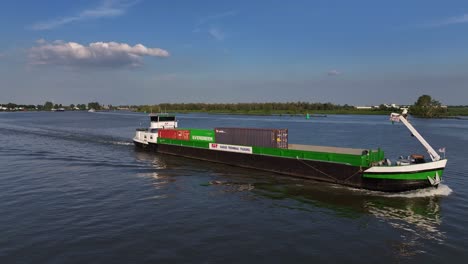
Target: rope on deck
(358,171)
(329,176)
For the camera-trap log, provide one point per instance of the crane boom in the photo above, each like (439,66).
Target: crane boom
(432,153)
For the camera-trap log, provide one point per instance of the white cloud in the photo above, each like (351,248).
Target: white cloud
(205,24)
(98,54)
(166,77)
(449,21)
(215,17)
(216,33)
(455,20)
(41,41)
(333,72)
(109,8)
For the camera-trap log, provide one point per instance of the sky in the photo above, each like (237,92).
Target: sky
(360,52)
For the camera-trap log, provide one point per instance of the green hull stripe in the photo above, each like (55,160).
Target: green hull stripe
(353,160)
(185,143)
(405,176)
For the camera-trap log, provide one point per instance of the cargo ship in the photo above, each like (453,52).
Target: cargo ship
(270,150)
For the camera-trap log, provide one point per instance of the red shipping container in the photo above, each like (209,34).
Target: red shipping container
(167,133)
(183,134)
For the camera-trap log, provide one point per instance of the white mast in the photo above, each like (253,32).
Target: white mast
(397,117)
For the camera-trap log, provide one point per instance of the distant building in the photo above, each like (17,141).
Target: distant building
(363,107)
(382,106)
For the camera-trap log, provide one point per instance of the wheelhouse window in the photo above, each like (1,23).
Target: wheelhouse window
(162,118)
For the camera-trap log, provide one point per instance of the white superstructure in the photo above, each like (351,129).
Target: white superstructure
(150,134)
(162,121)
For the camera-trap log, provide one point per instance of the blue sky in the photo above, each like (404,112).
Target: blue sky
(149,51)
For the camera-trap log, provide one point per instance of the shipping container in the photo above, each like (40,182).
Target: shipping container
(183,134)
(205,135)
(180,134)
(259,137)
(167,133)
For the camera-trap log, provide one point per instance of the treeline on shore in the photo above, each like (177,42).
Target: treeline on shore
(425,107)
(260,108)
(49,106)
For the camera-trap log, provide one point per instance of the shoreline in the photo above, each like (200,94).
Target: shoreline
(312,114)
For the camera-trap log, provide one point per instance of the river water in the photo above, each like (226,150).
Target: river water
(73,189)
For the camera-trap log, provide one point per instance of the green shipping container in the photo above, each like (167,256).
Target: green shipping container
(205,135)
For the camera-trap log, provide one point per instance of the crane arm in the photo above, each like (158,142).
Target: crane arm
(432,153)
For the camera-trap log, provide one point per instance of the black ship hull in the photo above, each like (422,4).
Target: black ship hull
(337,173)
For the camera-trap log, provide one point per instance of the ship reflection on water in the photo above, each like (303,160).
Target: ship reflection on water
(415,215)
(417,221)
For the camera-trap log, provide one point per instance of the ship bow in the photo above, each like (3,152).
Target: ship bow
(404,178)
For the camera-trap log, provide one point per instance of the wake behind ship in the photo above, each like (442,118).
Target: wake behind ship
(269,150)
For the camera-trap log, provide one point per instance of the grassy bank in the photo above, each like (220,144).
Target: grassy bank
(451,112)
(281,112)
(457,111)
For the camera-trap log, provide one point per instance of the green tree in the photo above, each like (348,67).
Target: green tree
(11,106)
(94,105)
(427,107)
(48,106)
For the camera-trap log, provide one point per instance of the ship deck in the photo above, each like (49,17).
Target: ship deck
(351,151)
